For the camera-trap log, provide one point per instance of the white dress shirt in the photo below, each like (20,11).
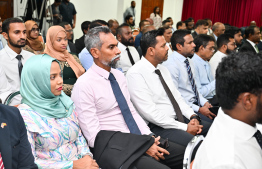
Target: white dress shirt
(215,60)
(229,144)
(253,44)
(124,63)
(9,63)
(169,48)
(178,70)
(150,98)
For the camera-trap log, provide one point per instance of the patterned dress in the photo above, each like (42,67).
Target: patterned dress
(55,143)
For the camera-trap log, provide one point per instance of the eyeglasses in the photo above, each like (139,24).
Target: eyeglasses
(35,30)
(70,30)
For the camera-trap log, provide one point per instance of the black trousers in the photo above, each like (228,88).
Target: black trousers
(178,136)
(173,161)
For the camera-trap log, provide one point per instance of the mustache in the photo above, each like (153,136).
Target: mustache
(131,39)
(21,40)
(112,62)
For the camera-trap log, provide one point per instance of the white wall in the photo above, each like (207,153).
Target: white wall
(109,9)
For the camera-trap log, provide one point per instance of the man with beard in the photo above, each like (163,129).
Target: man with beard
(130,21)
(252,39)
(129,54)
(183,73)
(103,103)
(154,94)
(236,32)
(226,44)
(13,57)
(233,141)
(2,39)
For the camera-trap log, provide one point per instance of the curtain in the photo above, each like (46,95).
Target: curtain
(234,12)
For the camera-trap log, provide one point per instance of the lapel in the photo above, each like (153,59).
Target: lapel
(251,47)
(5,142)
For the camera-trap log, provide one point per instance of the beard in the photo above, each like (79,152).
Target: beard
(129,42)
(112,63)
(16,44)
(228,51)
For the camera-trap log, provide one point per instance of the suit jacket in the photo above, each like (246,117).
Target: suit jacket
(72,47)
(4,42)
(247,47)
(14,146)
(194,34)
(114,149)
(80,44)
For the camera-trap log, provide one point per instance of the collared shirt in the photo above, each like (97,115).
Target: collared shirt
(205,81)
(86,58)
(215,36)
(124,63)
(68,48)
(150,98)
(1,44)
(9,63)
(215,60)
(178,69)
(169,48)
(67,10)
(229,144)
(96,104)
(253,44)
(137,40)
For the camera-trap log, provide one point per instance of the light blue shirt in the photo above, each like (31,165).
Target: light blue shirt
(86,58)
(1,44)
(178,70)
(205,82)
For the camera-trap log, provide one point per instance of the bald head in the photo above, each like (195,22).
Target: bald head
(218,29)
(253,23)
(148,28)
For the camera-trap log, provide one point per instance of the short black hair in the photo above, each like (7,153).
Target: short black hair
(97,22)
(238,73)
(128,17)
(223,40)
(201,22)
(119,29)
(63,24)
(190,19)
(250,30)
(142,23)
(110,22)
(180,23)
(232,30)
(202,40)
(149,40)
(7,22)
(85,25)
(168,18)
(178,37)
(165,21)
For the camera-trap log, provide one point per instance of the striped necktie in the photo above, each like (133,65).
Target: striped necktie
(1,162)
(192,81)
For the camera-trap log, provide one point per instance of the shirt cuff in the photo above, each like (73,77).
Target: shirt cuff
(195,108)
(182,126)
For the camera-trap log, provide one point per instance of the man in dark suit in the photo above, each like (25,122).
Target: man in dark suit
(79,43)
(14,146)
(201,28)
(252,39)
(70,36)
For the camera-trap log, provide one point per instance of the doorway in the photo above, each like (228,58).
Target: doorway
(6,9)
(148,7)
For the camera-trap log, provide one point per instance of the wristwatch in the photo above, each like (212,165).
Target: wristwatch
(196,117)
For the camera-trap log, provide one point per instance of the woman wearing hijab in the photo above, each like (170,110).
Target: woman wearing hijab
(33,44)
(155,16)
(51,122)
(56,47)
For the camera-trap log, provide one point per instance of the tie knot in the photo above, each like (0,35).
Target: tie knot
(157,71)
(127,49)
(18,57)
(111,77)
(186,61)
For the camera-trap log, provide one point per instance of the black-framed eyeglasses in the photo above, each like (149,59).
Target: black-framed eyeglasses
(70,30)
(35,30)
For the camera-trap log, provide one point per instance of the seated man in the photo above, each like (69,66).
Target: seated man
(142,24)
(204,50)
(69,35)
(15,150)
(201,28)
(233,141)
(183,77)
(155,96)
(80,43)
(225,44)
(167,35)
(103,103)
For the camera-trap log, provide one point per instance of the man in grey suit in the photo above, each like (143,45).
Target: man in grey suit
(131,11)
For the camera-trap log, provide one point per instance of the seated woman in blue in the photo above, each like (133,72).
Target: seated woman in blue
(52,126)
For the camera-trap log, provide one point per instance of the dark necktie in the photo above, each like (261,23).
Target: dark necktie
(130,57)
(130,122)
(258,136)
(1,162)
(192,81)
(171,97)
(20,65)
